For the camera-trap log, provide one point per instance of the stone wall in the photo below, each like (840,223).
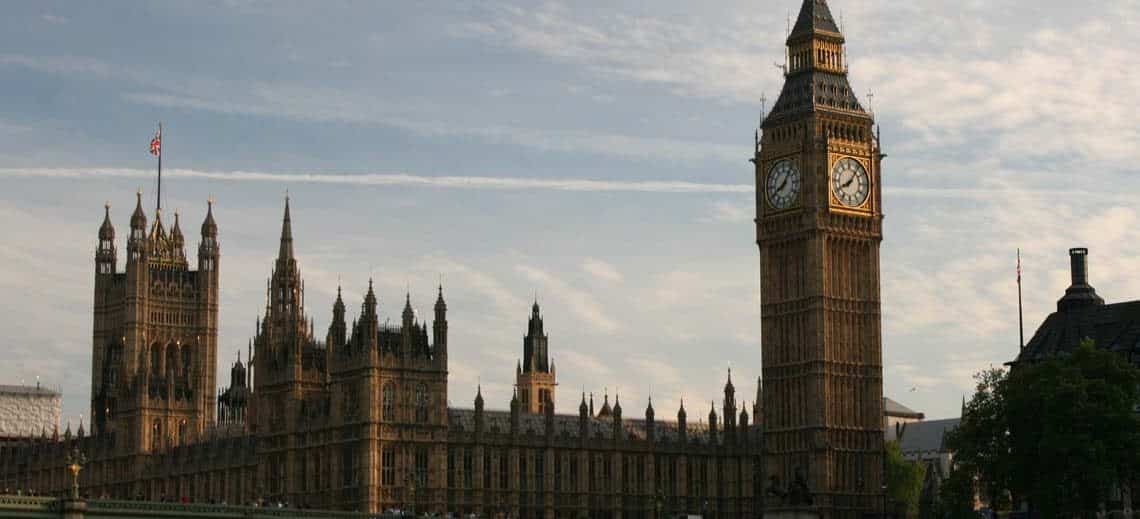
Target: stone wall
(27,411)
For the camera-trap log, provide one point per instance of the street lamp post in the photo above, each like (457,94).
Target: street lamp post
(75,461)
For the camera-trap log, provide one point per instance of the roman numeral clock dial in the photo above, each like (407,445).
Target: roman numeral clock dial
(850,183)
(783,185)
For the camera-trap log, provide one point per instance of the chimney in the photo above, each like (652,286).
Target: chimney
(1080,294)
(1078,260)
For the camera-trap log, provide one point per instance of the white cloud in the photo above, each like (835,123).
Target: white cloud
(583,304)
(601,270)
(725,211)
(584,363)
(393,179)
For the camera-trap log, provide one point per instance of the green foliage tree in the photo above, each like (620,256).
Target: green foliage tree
(1073,428)
(1058,433)
(980,446)
(904,479)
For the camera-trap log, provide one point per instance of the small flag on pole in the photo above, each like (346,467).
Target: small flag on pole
(1019,265)
(156,143)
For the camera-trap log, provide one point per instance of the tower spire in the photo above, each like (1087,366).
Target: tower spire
(286,250)
(814,18)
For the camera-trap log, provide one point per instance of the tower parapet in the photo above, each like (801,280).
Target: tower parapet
(154,335)
(535,376)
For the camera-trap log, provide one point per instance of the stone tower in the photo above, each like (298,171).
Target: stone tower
(155,331)
(534,377)
(818,227)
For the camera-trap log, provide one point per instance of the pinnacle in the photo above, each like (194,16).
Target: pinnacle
(286,250)
(814,17)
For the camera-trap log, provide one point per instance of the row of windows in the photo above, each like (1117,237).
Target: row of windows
(183,318)
(532,472)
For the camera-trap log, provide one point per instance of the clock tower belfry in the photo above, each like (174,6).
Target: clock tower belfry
(818,227)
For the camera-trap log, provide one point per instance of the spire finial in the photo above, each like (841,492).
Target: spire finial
(286,250)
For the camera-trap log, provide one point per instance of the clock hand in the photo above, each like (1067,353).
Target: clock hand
(782,184)
(848,183)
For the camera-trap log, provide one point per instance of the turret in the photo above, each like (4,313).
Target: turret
(583,418)
(136,243)
(682,422)
(208,250)
(409,315)
(606,410)
(365,332)
(337,328)
(650,424)
(729,410)
(479,409)
(439,326)
(176,236)
(105,253)
(616,424)
(712,422)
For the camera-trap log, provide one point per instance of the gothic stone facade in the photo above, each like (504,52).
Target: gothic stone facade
(819,226)
(359,420)
(356,420)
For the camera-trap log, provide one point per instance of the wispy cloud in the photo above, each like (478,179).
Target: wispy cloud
(601,270)
(394,179)
(583,304)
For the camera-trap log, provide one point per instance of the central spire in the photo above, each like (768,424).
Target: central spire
(815,17)
(286,251)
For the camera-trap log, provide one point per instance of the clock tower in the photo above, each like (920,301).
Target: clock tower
(819,226)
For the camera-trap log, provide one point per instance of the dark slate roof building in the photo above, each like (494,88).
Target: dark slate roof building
(1082,314)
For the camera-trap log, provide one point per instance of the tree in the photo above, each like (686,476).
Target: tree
(980,446)
(1073,428)
(904,479)
(1058,434)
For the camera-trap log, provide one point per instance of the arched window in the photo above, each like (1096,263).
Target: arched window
(421,403)
(156,436)
(156,359)
(172,359)
(186,363)
(182,432)
(388,402)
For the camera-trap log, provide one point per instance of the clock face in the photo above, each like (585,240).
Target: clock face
(850,183)
(783,185)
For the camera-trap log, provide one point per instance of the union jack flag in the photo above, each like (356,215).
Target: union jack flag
(156,143)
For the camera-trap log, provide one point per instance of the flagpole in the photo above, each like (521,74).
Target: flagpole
(1020,314)
(159,204)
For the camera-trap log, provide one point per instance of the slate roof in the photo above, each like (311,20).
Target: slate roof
(807,90)
(1115,327)
(566,426)
(814,16)
(892,408)
(1081,314)
(928,436)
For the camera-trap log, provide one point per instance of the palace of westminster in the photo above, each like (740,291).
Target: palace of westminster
(357,418)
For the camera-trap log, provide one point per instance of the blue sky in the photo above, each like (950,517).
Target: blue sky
(594,153)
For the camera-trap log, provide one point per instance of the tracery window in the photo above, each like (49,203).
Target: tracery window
(182,432)
(421,467)
(388,467)
(421,403)
(468,468)
(156,436)
(388,402)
